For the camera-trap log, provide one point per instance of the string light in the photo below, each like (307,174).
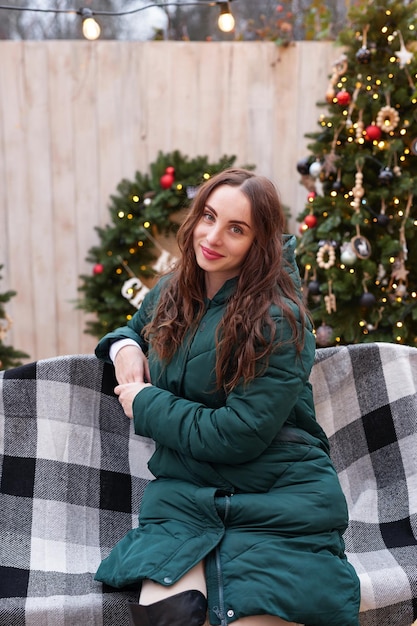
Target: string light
(226,21)
(91,28)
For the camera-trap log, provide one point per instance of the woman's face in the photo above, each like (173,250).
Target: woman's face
(223,236)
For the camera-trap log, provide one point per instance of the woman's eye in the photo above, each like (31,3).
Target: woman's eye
(237,230)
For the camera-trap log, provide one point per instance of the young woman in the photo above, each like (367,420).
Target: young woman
(243,523)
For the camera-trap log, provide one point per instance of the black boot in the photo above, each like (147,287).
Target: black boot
(188,608)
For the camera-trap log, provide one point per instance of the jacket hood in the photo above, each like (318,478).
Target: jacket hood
(288,250)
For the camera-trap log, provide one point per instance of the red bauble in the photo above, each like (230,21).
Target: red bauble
(166,181)
(98,268)
(170,170)
(343,97)
(310,221)
(373,133)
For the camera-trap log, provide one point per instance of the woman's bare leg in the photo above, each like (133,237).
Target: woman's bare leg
(263,620)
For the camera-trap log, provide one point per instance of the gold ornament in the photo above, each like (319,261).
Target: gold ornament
(4,328)
(358,190)
(330,300)
(387,119)
(361,245)
(326,250)
(339,68)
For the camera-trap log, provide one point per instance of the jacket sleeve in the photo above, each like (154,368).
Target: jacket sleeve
(241,429)
(132,330)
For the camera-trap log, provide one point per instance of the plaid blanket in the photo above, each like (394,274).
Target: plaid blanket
(72,474)
(366,400)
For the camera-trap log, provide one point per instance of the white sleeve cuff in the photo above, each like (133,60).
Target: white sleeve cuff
(118,345)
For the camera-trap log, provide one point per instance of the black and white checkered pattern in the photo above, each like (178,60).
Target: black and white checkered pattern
(72,474)
(366,401)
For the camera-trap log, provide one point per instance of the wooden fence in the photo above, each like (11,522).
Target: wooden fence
(76,117)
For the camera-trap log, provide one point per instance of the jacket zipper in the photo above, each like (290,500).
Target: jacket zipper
(220,610)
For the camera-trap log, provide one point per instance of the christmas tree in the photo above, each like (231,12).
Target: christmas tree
(130,255)
(358,246)
(9,357)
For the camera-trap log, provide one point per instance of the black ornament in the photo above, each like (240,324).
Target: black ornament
(386,176)
(303,166)
(363,56)
(367,300)
(337,185)
(382,219)
(314,288)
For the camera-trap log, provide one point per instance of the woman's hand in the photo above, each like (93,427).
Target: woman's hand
(127,393)
(131,366)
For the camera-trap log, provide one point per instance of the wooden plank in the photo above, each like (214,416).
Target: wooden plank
(15,99)
(288,130)
(132,94)
(88,206)
(261,111)
(111,92)
(237,88)
(60,96)
(4,221)
(207,123)
(43,264)
(160,72)
(314,66)
(182,102)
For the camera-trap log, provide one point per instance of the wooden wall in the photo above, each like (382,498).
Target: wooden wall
(77,117)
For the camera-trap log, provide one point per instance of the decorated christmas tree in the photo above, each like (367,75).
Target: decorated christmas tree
(9,357)
(358,245)
(132,252)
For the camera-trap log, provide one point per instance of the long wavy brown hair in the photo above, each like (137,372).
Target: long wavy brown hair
(246,335)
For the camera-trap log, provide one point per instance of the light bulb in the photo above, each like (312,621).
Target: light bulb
(91,29)
(226,21)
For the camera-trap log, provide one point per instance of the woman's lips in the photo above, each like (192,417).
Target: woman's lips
(210,254)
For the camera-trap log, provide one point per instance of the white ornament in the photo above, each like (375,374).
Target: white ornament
(191,191)
(403,55)
(401,290)
(348,255)
(318,186)
(315,169)
(164,262)
(381,272)
(134,290)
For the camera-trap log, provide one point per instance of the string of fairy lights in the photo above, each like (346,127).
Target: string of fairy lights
(91,27)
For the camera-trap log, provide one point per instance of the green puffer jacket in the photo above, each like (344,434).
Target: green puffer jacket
(244,482)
